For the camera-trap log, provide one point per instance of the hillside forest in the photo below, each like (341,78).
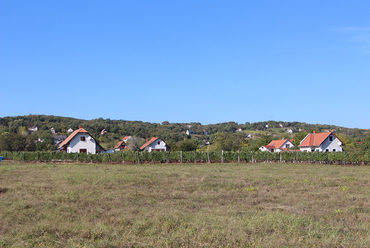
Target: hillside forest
(16,134)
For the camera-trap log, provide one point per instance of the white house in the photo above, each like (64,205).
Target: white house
(33,129)
(126,138)
(238,130)
(70,130)
(322,142)
(81,141)
(190,132)
(290,131)
(120,146)
(154,144)
(277,146)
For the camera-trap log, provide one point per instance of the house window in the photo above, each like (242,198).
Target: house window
(327,150)
(287,145)
(330,138)
(159,142)
(83,150)
(334,150)
(83,138)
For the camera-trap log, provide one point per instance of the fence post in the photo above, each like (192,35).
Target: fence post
(181,156)
(77,157)
(297,157)
(138,160)
(195,158)
(24,157)
(167,158)
(238,157)
(252,157)
(209,161)
(123,157)
(280,157)
(344,157)
(222,156)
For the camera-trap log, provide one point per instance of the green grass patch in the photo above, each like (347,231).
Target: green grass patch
(184,205)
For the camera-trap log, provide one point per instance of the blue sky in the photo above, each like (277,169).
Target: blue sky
(187,61)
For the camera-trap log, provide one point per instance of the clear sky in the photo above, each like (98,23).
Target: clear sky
(187,61)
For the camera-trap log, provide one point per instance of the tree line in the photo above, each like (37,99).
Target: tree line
(15,134)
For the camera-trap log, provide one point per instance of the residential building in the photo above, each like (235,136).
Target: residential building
(190,132)
(81,141)
(154,144)
(277,146)
(322,142)
(120,146)
(126,138)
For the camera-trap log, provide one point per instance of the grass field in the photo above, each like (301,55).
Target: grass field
(184,205)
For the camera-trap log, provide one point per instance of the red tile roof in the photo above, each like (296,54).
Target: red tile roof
(148,142)
(71,136)
(119,144)
(315,139)
(276,144)
(126,137)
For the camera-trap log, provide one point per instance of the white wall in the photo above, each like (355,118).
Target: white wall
(76,144)
(156,146)
(327,144)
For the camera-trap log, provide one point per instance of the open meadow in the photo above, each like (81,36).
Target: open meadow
(184,205)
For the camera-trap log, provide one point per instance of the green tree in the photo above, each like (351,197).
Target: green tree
(188,145)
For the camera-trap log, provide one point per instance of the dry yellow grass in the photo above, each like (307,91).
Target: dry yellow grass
(184,205)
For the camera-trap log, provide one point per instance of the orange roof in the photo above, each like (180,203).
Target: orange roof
(148,143)
(126,137)
(71,136)
(119,144)
(276,143)
(315,139)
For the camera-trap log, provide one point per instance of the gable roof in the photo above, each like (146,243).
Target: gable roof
(72,135)
(126,137)
(119,144)
(148,143)
(276,143)
(315,139)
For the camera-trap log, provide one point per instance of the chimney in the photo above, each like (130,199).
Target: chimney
(147,139)
(314,132)
(80,126)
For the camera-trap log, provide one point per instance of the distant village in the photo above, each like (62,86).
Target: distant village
(81,141)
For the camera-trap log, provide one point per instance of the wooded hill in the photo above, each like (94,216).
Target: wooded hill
(173,133)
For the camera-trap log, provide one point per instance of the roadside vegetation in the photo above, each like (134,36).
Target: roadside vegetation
(184,205)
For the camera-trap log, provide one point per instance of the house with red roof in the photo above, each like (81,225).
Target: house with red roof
(277,146)
(81,141)
(154,144)
(120,146)
(126,138)
(322,142)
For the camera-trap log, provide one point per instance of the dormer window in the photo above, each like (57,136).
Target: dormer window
(83,138)
(330,138)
